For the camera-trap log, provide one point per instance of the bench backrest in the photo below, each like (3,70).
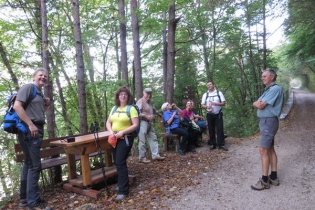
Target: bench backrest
(161,123)
(46,149)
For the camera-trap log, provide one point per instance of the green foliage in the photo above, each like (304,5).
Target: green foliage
(215,40)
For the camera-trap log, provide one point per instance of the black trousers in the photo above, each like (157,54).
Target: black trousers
(215,126)
(120,154)
(185,137)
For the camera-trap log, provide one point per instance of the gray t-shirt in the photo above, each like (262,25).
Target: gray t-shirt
(35,110)
(274,97)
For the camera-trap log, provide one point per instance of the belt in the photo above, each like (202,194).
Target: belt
(268,117)
(211,113)
(38,123)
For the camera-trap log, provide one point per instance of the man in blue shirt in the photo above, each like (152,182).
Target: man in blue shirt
(269,107)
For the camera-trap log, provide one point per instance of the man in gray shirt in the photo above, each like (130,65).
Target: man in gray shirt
(268,107)
(146,128)
(33,118)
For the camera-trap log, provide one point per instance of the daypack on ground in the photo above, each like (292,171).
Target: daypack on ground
(136,132)
(11,121)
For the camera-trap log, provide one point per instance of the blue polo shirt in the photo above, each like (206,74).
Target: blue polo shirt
(274,97)
(167,115)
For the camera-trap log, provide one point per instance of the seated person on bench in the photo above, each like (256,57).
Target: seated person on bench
(171,119)
(191,126)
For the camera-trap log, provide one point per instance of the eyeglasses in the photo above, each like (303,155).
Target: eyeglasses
(123,94)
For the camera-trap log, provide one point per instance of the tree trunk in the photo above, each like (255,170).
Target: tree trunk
(105,78)
(8,65)
(94,103)
(206,57)
(171,53)
(164,57)
(123,42)
(80,67)
(264,36)
(117,57)
(136,48)
(51,124)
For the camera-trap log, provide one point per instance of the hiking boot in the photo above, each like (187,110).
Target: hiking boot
(120,197)
(158,158)
(274,182)
(212,147)
(198,145)
(223,148)
(116,189)
(191,149)
(181,152)
(40,205)
(144,160)
(260,185)
(23,203)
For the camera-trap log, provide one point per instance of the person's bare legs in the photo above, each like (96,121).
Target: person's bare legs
(273,158)
(265,160)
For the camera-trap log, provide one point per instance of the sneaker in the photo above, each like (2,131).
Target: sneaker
(23,203)
(158,158)
(260,185)
(39,206)
(223,148)
(274,182)
(120,197)
(144,160)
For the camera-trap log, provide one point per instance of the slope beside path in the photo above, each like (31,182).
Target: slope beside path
(227,185)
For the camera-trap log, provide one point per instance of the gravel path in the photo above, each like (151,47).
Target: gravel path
(227,186)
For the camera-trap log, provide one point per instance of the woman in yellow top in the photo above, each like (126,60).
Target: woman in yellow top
(120,125)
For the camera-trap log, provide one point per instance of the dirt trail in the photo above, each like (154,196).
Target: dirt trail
(227,186)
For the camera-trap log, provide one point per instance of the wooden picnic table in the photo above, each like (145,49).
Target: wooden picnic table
(85,145)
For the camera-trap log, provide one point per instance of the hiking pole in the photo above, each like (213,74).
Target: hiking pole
(94,129)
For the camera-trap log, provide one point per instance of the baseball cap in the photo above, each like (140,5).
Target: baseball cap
(147,90)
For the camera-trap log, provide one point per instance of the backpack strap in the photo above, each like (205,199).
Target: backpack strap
(31,97)
(206,98)
(128,111)
(218,93)
(114,110)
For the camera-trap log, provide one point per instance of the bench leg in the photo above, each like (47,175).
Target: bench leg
(177,143)
(164,144)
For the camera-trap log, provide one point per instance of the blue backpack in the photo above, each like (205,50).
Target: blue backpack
(11,121)
(136,132)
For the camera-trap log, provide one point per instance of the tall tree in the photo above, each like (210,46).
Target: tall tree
(123,42)
(136,48)
(80,67)
(164,55)
(51,124)
(171,53)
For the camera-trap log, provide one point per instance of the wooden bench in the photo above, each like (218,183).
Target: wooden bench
(51,156)
(166,137)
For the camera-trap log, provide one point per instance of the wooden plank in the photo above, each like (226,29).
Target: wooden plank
(96,176)
(86,192)
(44,153)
